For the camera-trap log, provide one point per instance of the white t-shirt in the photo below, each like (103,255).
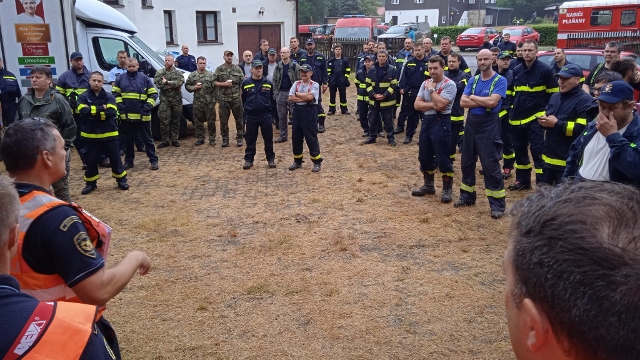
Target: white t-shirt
(595,161)
(25,18)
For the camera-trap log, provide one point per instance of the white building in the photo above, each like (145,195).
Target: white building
(210,27)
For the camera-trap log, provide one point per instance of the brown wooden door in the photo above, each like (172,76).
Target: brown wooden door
(249,37)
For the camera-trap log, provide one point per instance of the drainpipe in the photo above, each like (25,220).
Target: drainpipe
(297,28)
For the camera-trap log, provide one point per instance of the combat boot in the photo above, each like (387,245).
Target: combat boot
(89,187)
(428,188)
(447,188)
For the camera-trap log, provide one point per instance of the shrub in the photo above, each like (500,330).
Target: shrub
(450,31)
(548,33)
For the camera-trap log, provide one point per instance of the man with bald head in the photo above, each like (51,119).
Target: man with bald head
(428,48)
(245,63)
(186,61)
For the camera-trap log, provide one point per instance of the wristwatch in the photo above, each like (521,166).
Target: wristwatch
(431,90)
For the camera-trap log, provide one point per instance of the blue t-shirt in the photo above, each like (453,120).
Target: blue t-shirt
(482,89)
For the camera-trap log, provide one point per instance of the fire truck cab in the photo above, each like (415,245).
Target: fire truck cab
(592,24)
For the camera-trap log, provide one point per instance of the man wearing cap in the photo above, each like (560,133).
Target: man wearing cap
(413,75)
(270,64)
(607,149)
(185,61)
(285,74)
(382,84)
(363,95)
(565,118)
(508,155)
(200,83)
(259,104)
(169,81)
(318,64)
(227,78)
(304,95)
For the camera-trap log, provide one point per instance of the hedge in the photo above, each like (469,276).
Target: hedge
(450,31)
(548,32)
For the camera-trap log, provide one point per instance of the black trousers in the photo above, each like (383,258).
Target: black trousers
(305,128)
(111,149)
(132,130)
(110,336)
(408,112)
(552,175)
(375,113)
(525,137)
(251,136)
(508,155)
(363,115)
(332,97)
(457,134)
(482,139)
(138,139)
(322,116)
(435,143)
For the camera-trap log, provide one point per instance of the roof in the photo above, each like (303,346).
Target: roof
(592,3)
(499,8)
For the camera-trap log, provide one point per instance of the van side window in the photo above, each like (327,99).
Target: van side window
(628,18)
(600,18)
(106,50)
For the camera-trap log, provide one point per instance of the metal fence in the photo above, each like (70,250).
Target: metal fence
(352,47)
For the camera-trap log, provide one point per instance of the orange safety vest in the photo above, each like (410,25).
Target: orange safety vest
(55,330)
(51,287)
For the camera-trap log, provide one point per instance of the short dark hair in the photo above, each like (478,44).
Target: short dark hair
(623,65)
(24,140)
(445,38)
(520,44)
(383,51)
(437,59)
(201,58)
(41,69)
(615,44)
(575,252)
(264,41)
(97,73)
(535,44)
(495,49)
(607,76)
(561,49)
(337,45)
(454,54)
(122,52)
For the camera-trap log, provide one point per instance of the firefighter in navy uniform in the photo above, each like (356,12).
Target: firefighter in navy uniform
(482,97)
(304,95)
(414,74)
(318,63)
(338,71)
(445,50)
(381,87)
(259,105)
(567,115)
(9,95)
(533,84)
(100,131)
(363,95)
(508,156)
(402,57)
(460,78)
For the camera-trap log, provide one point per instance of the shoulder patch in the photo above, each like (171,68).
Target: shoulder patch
(68,221)
(84,245)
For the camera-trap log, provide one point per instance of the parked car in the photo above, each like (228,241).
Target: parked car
(586,59)
(400,31)
(474,37)
(521,33)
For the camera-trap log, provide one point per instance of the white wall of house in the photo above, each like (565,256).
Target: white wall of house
(150,21)
(405,16)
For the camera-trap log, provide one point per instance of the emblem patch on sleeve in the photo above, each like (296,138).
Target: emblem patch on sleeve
(84,245)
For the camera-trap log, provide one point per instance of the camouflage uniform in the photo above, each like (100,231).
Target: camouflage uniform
(204,103)
(229,99)
(170,108)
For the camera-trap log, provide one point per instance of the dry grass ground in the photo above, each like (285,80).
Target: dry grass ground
(273,264)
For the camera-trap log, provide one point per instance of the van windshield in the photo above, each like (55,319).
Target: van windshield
(147,50)
(356,32)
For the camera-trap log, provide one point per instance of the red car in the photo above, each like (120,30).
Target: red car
(474,37)
(521,33)
(586,59)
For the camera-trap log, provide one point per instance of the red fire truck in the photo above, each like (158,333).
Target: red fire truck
(592,24)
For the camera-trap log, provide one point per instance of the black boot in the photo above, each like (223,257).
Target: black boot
(428,187)
(447,185)
(89,187)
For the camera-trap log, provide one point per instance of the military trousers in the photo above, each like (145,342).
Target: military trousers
(170,115)
(112,150)
(205,112)
(61,187)
(435,143)
(305,128)
(227,107)
(525,137)
(482,140)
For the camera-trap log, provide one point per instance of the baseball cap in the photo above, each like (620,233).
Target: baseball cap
(370,57)
(226,52)
(504,54)
(75,55)
(570,70)
(256,63)
(271,51)
(616,91)
(310,41)
(305,68)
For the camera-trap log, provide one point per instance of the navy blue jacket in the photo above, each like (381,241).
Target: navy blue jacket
(414,74)
(319,64)
(100,123)
(533,88)
(338,78)
(9,95)
(257,98)
(463,63)
(135,96)
(624,154)
(461,79)
(361,81)
(509,47)
(187,63)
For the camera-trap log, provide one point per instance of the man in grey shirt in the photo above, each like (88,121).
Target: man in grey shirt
(270,65)
(435,99)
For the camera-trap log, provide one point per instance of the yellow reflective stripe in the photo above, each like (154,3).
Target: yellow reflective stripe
(581,121)
(152,90)
(135,96)
(384,84)
(582,79)
(151,101)
(510,92)
(497,194)
(118,99)
(467,70)
(61,90)
(93,178)
(570,126)
(512,156)
(391,90)
(553,90)
(9,77)
(248,86)
(94,110)
(502,113)
(464,81)
(388,103)
(360,97)
(298,156)
(411,64)
(346,75)
(103,116)
(82,106)
(370,88)
(523,167)
(457,118)
(400,60)
(332,104)
(369,81)
(115,89)
(529,119)
(99,136)
(119,176)
(343,104)
(538,171)
(394,82)
(111,106)
(632,145)
(449,174)
(316,157)
(362,86)
(526,88)
(551,161)
(427,73)
(266,85)
(467,188)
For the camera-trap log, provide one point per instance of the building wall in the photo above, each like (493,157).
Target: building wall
(150,23)
(410,16)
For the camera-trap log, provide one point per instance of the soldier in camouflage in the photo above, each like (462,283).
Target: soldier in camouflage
(228,77)
(169,81)
(200,83)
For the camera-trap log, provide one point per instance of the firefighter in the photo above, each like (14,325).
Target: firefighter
(567,114)
(435,100)
(508,156)
(533,83)
(9,95)
(414,74)
(304,95)
(402,57)
(483,96)
(381,87)
(445,50)
(363,95)
(507,45)
(460,78)
(318,63)
(338,71)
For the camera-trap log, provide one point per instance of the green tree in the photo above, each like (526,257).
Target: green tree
(370,7)
(312,11)
(350,7)
(525,8)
